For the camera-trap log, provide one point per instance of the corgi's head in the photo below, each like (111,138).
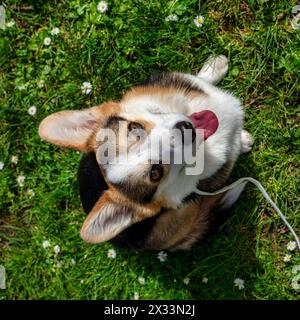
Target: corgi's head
(137,142)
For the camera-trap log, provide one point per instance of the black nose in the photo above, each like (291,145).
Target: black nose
(187,131)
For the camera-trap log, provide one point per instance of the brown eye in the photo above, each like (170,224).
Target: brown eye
(156,173)
(134,126)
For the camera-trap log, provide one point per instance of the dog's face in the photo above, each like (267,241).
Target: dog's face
(141,146)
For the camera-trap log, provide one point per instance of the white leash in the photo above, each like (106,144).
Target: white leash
(264,193)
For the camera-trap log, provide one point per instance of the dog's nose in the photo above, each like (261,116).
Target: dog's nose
(187,130)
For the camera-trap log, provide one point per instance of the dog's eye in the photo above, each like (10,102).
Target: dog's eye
(156,173)
(134,126)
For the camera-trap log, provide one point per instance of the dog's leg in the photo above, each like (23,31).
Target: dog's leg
(214,69)
(246,141)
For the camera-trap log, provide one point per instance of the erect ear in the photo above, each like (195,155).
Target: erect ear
(72,128)
(106,220)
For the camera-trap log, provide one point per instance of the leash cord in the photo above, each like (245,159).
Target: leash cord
(245,180)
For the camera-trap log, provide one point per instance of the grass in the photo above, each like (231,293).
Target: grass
(114,51)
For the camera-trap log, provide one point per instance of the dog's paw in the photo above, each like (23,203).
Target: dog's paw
(214,69)
(246,141)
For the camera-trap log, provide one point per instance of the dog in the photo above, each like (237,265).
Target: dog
(138,203)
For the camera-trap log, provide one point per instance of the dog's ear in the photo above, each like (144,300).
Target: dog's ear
(73,128)
(106,220)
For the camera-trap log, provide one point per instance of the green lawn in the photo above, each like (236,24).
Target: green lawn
(114,51)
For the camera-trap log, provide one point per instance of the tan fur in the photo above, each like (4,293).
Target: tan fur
(109,108)
(105,110)
(141,211)
(179,229)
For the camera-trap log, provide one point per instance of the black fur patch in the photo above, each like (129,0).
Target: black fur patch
(139,192)
(136,235)
(171,80)
(90,181)
(113,121)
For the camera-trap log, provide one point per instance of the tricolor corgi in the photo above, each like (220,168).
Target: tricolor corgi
(136,199)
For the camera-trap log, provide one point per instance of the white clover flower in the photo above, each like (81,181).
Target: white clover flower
(239,283)
(287,258)
(291,246)
(172,17)
(32,110)
(1,165)
(14,159)
(21,180)
(46,244)
(111,253)
(10,23)
(56,249)
(30,193)
(40,83)
(55,31)
(102,6)
(73,262)
(162,256)
(204,280)
(199,20)
(141,280)
(136,296)
(186,280)
(47,41)
(86,87)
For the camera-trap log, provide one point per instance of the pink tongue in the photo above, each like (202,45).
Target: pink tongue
(205,120)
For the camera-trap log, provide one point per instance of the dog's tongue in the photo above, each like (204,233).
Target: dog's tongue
(205,120)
